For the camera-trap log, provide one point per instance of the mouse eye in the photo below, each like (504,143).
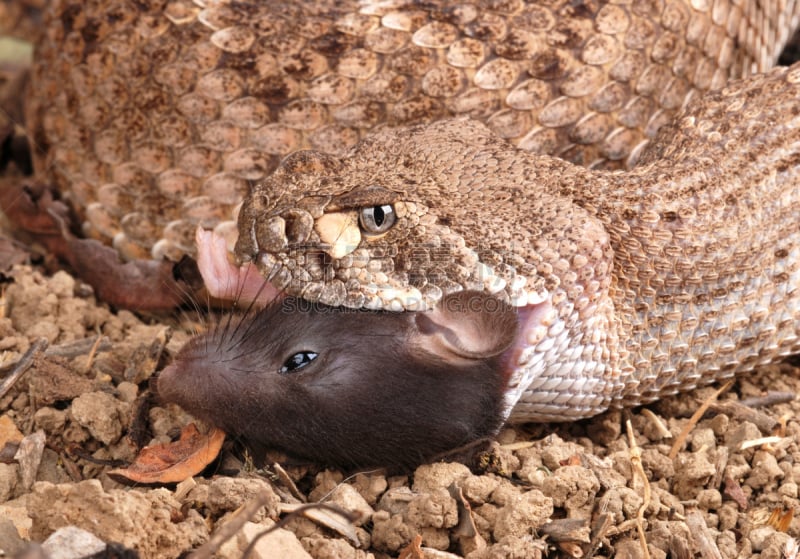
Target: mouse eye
(298,361)
(376,220)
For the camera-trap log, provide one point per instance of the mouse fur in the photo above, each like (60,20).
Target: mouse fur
(382,388)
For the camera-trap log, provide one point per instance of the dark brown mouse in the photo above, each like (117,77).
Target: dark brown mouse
(347,387)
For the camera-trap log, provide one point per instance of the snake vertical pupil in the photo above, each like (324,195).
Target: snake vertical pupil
(378,215)
(376,220)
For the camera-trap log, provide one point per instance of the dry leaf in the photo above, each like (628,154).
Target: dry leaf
(735,492)
(468,537)
(29,456)
(148,284)
(333,520)
(11,253)
(780,519)
(10,437)
(173,462)
(413,549)
(8,431)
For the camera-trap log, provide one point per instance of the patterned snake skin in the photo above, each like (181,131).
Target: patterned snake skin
(155,118)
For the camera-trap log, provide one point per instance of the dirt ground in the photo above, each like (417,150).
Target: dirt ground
(540,491)
(583,489)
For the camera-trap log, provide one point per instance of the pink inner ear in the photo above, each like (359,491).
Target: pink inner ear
(467,325)
(225,281)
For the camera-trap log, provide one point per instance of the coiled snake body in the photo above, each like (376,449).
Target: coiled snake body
(157,117)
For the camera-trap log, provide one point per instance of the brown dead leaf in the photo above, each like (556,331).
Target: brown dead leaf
(469,538)
(333,518)
(148,284)
(173,462)
(8,431)
(12,253)
(9,435)
(29,457)
(735,492)
(780,519)
(32,206)
(413,550)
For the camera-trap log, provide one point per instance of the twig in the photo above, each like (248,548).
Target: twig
(765,441)
(746,412)
(300,511)
(656,422)
(769,399)
(79,347)
(22,365)
(702,539)
(93,353)
(695,418)
(229,529)
(287,482)
(638,469)
(599,530)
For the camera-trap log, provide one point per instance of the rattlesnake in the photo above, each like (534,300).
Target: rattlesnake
(156,118)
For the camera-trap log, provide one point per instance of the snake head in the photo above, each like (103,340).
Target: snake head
(412,215)
(389,226)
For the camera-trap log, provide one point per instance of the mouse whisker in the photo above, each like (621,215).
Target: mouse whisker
(237,335)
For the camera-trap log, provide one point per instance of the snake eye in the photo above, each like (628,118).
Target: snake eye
(298,361)
(376,220)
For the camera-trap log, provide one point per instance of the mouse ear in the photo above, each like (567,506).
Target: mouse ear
(467,324)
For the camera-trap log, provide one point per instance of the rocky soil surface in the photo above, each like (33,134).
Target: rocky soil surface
(73,406)
(576,490)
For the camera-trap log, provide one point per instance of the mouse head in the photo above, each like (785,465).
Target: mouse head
(347,387)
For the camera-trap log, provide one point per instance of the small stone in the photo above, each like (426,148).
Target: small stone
(709,499)
(370,486)
(9,477)
(72,542)
(228,494)
(763,537)
(433,510)
(703,438)
(440,475)
(478,488)
(728,514)
(347,497)
(788,489)
(99,413)
(745,431)
(323,548)
(719,424)
(390,532)
(12,543)
(127,391)
(573,488)
(523,516)
(765,470)
(325,482)
(50,419)
(278,543)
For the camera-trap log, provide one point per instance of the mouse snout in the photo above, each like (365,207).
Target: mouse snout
(196,380)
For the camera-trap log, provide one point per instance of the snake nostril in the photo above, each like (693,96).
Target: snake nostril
(299,225)
(270,234)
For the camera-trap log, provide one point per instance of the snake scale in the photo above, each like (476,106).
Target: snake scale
(643,262)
